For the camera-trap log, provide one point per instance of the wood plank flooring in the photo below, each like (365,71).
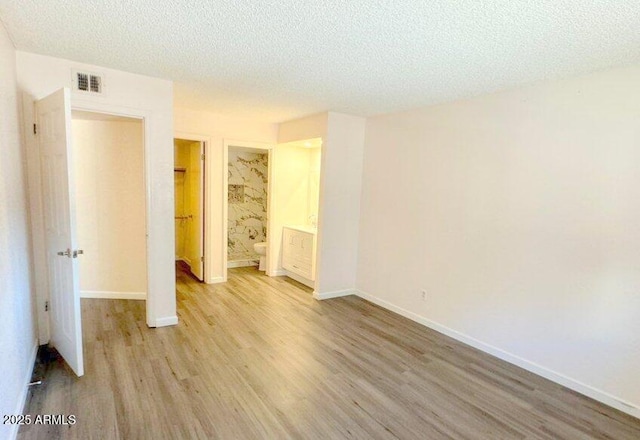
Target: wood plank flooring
(258,358)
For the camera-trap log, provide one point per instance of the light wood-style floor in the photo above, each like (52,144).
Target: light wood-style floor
(258,358)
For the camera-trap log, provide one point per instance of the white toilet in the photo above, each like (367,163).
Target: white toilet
(261,249)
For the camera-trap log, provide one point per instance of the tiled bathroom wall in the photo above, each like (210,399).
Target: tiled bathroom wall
(247,202)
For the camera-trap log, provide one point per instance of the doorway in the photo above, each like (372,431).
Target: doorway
(247,205)
(189,196)
(109,180)
(57,251)
(248,182)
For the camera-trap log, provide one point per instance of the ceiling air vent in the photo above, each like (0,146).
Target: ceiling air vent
(87,82)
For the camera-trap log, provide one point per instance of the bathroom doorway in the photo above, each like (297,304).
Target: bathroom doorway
(296,201)
(189,194)
(247,192)
(247,198)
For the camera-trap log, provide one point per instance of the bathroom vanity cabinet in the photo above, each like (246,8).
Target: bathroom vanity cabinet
(299,252)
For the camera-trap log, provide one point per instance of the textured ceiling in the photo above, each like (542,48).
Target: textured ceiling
(282,59)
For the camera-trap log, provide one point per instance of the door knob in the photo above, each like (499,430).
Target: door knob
(78,252)
(66,253)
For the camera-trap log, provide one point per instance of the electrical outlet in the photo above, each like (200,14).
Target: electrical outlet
(424,295)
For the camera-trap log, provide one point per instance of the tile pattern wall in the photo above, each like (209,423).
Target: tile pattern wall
(247,214)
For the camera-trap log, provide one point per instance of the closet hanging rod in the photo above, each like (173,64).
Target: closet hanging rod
(183,217)
(180,170)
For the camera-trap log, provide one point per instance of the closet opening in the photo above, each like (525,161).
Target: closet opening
(189,193)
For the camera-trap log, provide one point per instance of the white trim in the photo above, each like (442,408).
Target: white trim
(166,321)
(247,144)
(22,400)
(334,294)
(215,280)
(242,263)
(278,273)
(112,295)
(575,385)
(224,249)
(307,282)
(144,116)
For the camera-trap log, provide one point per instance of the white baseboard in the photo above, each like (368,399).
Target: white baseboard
(277,273)
(241,263)
(335,294)
(166,321)
(307,282)
(22,400)
(112,295)
(575,385)
(215,280)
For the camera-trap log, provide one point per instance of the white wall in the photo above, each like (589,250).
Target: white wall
(313,199)
(310,127)
(518,214)
(339,199)
(130,95)
(214,129)
(339,211)
(108,161)
(18,335)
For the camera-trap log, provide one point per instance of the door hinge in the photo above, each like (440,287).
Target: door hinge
(35,129)
(202,157)
(46,306)
(202,259)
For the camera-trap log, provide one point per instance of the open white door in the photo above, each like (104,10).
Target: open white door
(54,140)
(195,232)
(198,215)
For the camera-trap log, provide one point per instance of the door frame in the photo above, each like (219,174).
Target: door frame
(41,285)
(225,198)
(205,140)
